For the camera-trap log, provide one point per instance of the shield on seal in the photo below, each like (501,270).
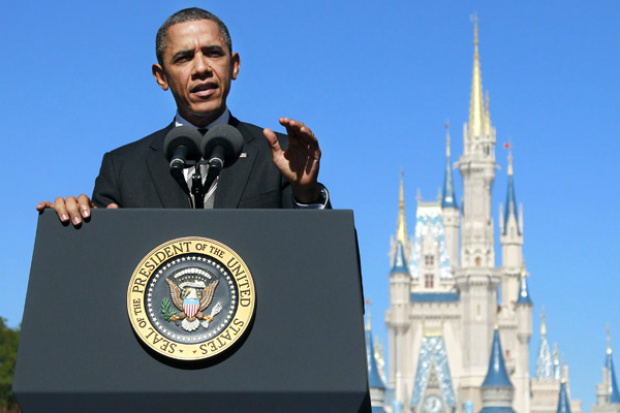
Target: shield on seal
(191,306)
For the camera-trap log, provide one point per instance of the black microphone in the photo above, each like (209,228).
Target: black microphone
(221,146)
(182,144)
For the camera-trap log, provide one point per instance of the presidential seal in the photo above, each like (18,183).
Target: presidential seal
(191,298)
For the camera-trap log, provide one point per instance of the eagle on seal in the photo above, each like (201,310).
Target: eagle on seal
(192,297)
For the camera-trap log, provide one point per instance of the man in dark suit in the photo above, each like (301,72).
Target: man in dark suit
(196,63)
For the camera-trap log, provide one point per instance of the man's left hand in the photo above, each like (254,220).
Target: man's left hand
(299,163)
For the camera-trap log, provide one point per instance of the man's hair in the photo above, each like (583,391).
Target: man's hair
(187,15)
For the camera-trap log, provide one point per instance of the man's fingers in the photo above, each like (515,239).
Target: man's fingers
(60,206)
(299,133)
(42,205)
(72,208)
(84,205)
(273,142)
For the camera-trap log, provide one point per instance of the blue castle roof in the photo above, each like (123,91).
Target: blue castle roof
(614,396)
(497,376)
(374,378)
(448,198)
(524,293)
(563,402)
(497,409)
(400,263)
(434,297)
(511,204)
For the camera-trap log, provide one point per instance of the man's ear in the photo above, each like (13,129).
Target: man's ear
(236,64)
(160,76)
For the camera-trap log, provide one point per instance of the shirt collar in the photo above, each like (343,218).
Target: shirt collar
(222,119)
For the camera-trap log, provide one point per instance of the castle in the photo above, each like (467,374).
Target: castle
(459,326)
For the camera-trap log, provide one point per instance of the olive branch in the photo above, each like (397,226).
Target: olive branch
(166,310)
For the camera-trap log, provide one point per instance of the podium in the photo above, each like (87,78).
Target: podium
(303,352)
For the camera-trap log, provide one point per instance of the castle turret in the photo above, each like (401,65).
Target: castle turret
(477,166)
(401,234)
(607,396)
(396,317)
(375,381)
(497,389)
(477,279)
(563,401)
(612,385)
(450,209)
(511,238)
(523,310)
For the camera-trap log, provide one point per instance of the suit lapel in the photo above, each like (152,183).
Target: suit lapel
(233,180)
(168,190)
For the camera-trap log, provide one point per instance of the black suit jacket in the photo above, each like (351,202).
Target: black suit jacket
(137,175)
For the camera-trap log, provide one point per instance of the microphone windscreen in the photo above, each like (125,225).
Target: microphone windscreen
(226,136)
(183,136)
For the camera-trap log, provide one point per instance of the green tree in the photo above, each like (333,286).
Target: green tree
(9,339)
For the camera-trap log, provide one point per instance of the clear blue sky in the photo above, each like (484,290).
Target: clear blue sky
(376,81)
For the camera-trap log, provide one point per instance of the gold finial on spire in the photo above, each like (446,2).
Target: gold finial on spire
(556,359)
(368,324)
(401,226)
(543,326)
(510,171)
(476,104)
(608,340)
(523,271)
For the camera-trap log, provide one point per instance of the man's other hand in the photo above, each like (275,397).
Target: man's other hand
(299,163)
(71,208)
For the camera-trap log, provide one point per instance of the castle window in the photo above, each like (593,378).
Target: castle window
(478,261)
(429,281)
(428,259)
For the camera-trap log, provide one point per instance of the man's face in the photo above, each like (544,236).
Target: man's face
(198,68)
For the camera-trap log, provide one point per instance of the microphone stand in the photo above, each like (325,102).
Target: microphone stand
(198,189)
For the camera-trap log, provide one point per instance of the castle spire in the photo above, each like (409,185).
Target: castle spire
(448,199)
(614,396)
(563,402)
(497,376)
(374,376)
(476,103)
(399,265)
(401,226)
(375,379)
(544,363)
(497,389)
(511,199)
